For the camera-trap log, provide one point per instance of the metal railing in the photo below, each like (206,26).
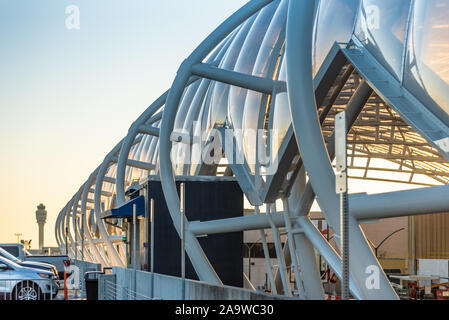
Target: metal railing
(113,291)
(28,289)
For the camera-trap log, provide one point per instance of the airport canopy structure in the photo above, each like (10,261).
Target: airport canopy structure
(257,100)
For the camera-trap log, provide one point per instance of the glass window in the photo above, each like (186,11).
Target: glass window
(427,64)
(12,250)
(5,254)
(381,28)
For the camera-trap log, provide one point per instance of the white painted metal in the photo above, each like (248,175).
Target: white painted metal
(156,127)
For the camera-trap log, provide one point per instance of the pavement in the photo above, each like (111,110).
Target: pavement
(71,295)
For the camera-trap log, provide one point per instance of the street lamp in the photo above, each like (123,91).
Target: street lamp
(249,256)
(383,241)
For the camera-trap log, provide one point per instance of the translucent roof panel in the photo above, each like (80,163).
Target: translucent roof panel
(266,66)
(381,27)
(427,63)
(246,60)
(332,27)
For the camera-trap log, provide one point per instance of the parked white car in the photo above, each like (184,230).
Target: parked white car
(29,264)
(18,251)
(22,283)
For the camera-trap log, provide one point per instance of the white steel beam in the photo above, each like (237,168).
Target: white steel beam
(238,79)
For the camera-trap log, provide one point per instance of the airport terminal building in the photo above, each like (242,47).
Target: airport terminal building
(229,165)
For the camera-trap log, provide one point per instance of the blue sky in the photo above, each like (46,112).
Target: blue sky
(68,96)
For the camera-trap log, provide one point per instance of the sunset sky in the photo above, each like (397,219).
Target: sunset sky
(68,96)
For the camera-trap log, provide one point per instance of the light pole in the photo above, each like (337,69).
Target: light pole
(183,256)
(249,256)
(376,248)
(18,235)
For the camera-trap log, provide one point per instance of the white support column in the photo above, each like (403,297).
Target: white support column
(266,253)
(135,163)
(242,80)
(149,130)
(310,141)
(282,269)
(292,250)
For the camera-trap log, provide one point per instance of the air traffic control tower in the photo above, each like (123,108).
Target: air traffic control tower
(41,218)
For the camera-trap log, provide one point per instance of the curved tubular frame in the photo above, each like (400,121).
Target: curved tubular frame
(74,210)
(112,252)
(61,229)
(58,240)
(155,129)
(148,117)
(127,144)
(71,209)
(87,234)
(67,228)
(57,231)
(199,260)
(313,149)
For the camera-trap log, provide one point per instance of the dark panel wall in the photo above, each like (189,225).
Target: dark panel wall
(204,200)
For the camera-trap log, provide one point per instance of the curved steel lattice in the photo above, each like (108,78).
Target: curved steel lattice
(287,68)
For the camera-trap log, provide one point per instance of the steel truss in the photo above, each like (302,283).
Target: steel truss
(379,127)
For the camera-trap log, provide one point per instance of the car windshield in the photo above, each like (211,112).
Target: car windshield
(7,255)
(9,262)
